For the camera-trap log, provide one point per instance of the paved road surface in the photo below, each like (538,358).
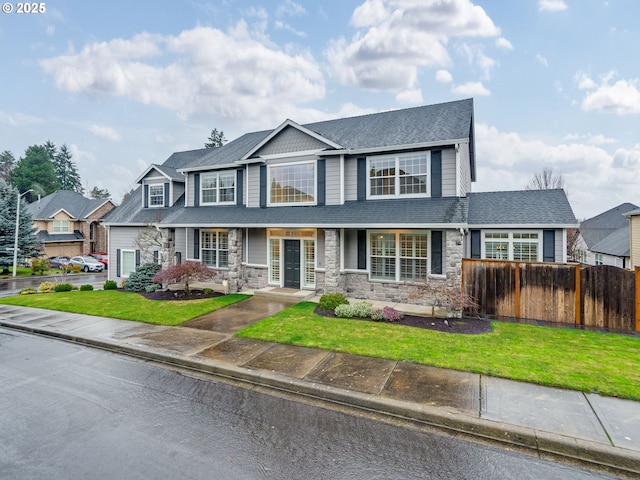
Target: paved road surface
(72,412)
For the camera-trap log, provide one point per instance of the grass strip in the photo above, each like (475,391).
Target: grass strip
(587,361)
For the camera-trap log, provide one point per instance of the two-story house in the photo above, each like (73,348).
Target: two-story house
(67,223)
(365,205)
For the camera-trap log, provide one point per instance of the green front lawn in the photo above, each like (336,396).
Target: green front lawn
(587,361)
(124,305)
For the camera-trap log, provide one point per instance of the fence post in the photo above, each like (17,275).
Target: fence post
(637,279)
(578,293)
(517,292)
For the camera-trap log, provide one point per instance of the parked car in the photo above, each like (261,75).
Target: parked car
(101,257)
(87,264)
(58,261)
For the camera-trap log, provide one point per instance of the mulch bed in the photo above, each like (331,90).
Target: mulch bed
(464,325)
(179,295)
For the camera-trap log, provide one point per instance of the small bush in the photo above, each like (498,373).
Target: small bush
(329,301)
(152,287)
(355,310)
(386,314)
(27,291)
(143,276)
(86,288)
(39,266)
(110,285)
(63,287)
(47,287)
(207,290)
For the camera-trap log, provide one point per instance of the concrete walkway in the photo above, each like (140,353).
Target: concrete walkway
(599,430)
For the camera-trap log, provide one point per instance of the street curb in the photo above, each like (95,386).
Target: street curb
(542,442)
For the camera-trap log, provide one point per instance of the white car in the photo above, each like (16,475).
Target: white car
(88,264)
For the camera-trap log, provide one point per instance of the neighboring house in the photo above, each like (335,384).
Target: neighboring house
(633,217)
(69,224)
(363,205)
(605,238)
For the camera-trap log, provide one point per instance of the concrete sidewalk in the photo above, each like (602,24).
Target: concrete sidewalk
(599,430)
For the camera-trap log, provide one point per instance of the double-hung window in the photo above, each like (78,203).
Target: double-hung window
(397,256)
(292,184)
(214,248)
(127,263)
(156,195)
(217,187)
(516,246)
(404,175)
(61,226)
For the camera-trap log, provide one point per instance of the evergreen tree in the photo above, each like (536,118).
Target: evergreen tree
(28,246)
(35,170)
(96,192)
(51,149)
(66,171)
(7,163)
(216,139)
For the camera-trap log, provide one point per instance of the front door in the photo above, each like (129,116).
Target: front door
(292,264)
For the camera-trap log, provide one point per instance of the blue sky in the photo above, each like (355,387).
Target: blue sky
(556,83)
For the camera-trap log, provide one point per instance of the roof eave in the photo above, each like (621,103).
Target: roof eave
(391,148)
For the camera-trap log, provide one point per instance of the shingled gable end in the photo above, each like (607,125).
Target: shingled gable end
(367,205)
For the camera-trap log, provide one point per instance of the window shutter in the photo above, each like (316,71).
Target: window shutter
(196,243)
(362,249)
(436,173)
(263,186)
(239,187)
(118,262)
(137,258)
(146,196)
(476,249)
(178,258)
(196,189)
(155,256)
(166,195)
(322,183)
(362,179)
(436,252)
(548,246)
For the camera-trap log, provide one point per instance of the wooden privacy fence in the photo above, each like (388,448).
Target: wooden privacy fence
(600,296)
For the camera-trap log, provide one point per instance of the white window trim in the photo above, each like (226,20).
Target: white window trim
(397,234)
(151,185)
(287,164)
(280,235)
(397,193)
(217,174)
(510,240)
(218,250)
(122,252)
(53,227)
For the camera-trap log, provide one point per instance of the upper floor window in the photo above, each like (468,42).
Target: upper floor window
(400,175)
(61,226)
(156,195)
(292,183)
(217,187)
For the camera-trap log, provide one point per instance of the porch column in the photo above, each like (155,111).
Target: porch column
(235,259)
(331,260)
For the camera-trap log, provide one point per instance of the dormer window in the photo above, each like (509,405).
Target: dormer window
(292,183)
(61,226)
(403,175)
(218,188)
(156,195)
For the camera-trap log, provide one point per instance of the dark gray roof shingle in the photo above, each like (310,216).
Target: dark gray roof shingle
(73,203)
(596,229)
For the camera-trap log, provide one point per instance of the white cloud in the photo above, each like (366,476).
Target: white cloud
(594,178)
(584,81)
(290,9)
(19,119)
(542,60)
(280,25)
(551,5)
(199,71)
(621,98)
(105,132)
(504,44)
(592,139)
(475,56)
(398,37)
(444,76)
(410,97)
(471,89)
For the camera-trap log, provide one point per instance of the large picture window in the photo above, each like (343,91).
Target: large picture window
(398,176)
(217,187)
(399,256)
(294,183)
(516,246)
(156,195)
(214,248)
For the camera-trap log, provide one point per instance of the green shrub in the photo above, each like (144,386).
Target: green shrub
(63,287)
(27,291)
(86,288)
(207,290)
(39,265)
(152,287)
(138,280)
(47,287)
(110,285)
(355,310)
(329,301)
